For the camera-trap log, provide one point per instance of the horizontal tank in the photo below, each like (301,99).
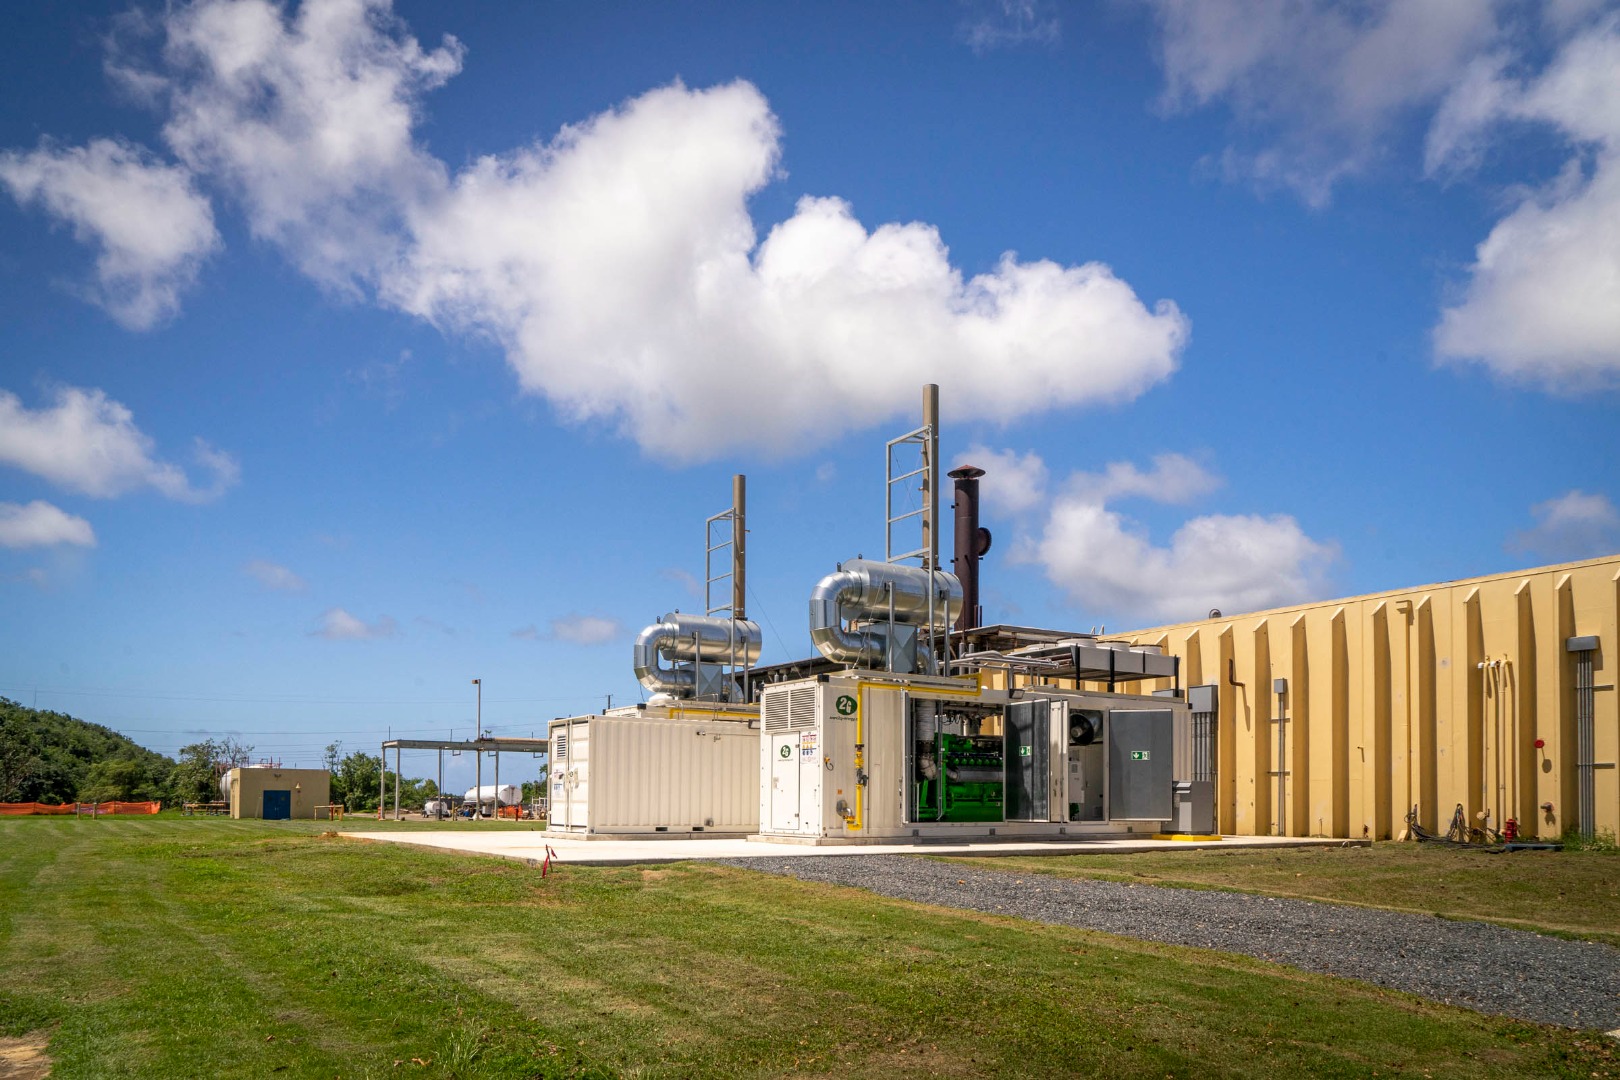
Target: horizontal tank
(508,794)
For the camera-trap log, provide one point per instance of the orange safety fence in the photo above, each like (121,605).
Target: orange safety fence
(17,809)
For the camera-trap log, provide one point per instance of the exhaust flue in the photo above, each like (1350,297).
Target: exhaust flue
(972,543)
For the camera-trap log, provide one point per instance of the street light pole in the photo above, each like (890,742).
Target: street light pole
(478,733)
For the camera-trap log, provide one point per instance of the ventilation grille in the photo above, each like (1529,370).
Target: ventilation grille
(776,711)
(559,746)
(790,710)
(802,707)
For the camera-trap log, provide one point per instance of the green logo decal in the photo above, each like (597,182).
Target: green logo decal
(787,751)
(1139,755)
(845,705)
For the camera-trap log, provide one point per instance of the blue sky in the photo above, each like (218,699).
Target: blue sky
(350,353)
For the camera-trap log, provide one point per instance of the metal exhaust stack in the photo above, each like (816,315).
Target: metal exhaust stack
(888,615)
(739,545)
(930,484)
(705,653)
(972,543)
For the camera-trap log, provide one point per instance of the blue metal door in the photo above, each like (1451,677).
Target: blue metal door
(277,805)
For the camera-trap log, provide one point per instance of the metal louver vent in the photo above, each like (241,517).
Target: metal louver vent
(776,711)
(559,746)
(802,707)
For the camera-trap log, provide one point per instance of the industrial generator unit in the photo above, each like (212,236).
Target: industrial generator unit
(877,757)
(687,762)
(910,743)
(912,724)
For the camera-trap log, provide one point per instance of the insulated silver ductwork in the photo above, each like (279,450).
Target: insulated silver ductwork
(698,647)
(851,613)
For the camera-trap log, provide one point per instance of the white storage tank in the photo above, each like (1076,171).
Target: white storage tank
(486,795)
(654,776)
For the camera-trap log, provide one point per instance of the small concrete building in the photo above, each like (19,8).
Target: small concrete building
(277,794)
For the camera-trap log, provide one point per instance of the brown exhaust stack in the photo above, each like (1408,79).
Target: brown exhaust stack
(972,543)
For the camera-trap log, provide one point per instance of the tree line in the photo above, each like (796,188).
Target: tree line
(53,758)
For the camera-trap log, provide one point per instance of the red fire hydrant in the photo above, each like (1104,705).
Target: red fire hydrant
(1510,830)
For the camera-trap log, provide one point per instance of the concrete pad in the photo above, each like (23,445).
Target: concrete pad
(531,847)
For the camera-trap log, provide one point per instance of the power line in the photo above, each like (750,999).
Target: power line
(278,700)
(760,606)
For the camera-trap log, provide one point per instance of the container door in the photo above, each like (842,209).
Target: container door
(785,781)
(277,805)
(1028,756)
(1141,748)
(578,786)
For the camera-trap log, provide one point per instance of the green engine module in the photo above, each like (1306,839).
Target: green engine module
(960,778)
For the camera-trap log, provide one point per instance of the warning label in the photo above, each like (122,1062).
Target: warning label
(807,745)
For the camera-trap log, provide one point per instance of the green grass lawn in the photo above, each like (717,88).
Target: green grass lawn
(1570,893)
(166,947)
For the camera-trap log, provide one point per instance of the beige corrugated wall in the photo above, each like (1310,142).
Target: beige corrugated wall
(1388,705)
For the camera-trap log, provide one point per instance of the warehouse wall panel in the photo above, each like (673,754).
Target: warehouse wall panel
(1433,697)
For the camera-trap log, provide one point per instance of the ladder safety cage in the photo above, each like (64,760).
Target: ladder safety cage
(926,502)
(922,439)
(727,517)
(730,544)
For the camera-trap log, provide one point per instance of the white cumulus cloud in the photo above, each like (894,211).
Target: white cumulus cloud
(39,524)
(1013,483)
(1575,525)
(585,629)
(87,442)
(308,120)
(338,625)
(1542,303)
(150,227)
(274,576)
(1319,90)
(1174,478)
(619,268)
(1316,85)
(1107,563)
(617,264)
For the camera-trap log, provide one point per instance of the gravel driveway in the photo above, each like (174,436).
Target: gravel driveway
(1476,965)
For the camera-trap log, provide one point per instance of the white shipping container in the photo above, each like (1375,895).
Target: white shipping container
(654,776)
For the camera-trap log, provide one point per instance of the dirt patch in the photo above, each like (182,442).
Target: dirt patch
(24,1058)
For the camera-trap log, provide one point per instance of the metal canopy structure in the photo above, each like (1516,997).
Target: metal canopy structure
(509,746)
(480,747)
